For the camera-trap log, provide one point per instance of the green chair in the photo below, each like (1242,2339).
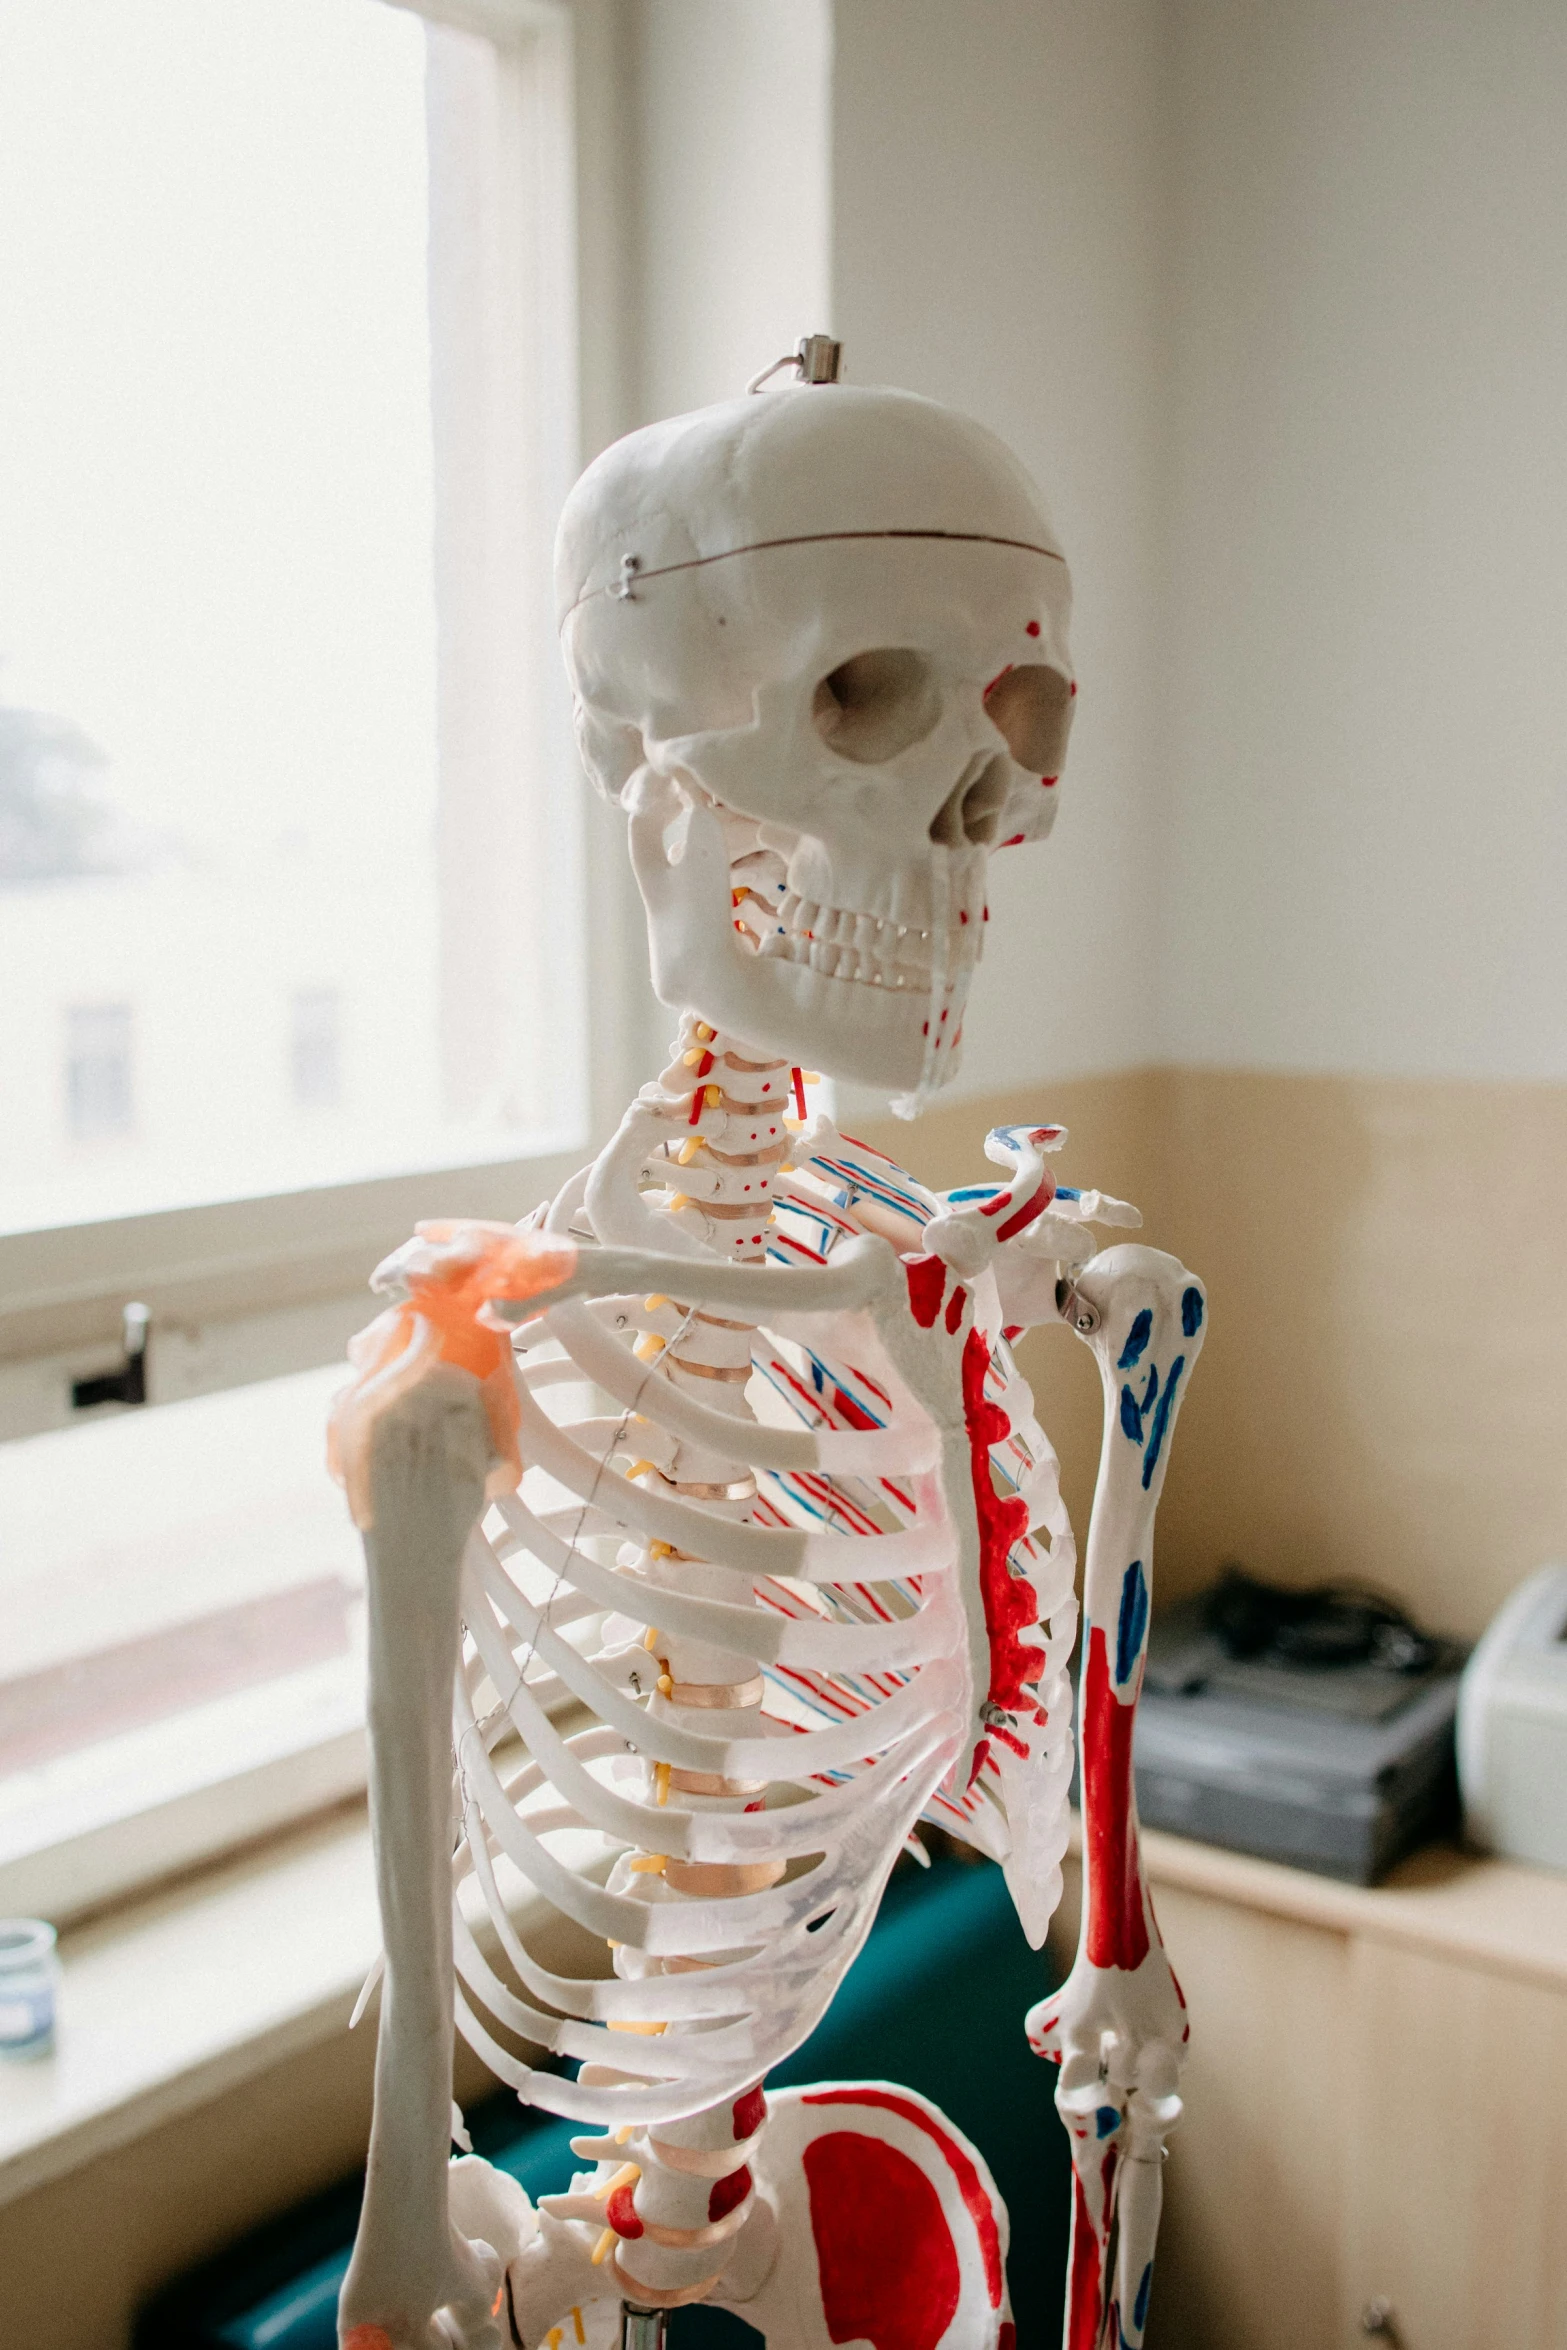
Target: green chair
(935,2000)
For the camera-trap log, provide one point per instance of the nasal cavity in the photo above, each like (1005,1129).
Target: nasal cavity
(970,815)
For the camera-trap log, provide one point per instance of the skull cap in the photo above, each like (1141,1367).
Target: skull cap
(804,462)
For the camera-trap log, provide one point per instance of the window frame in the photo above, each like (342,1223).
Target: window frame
(253,1287)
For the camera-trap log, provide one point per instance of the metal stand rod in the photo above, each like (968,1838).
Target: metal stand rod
(642,2329)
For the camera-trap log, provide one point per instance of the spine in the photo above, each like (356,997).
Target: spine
(684,2192)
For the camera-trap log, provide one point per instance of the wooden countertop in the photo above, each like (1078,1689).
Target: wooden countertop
(1496,1914)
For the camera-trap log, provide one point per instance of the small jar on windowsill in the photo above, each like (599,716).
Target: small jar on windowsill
(29,1979)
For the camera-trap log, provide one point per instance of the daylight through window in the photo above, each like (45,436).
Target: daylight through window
(274,643)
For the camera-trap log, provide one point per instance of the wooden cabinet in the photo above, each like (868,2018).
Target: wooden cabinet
(1376,2105)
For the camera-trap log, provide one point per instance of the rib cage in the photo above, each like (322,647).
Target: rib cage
(868,1684)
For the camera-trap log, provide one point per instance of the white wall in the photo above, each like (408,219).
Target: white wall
(997,213)
(967,195)
(732,196)
(1270,299)
(1366,764)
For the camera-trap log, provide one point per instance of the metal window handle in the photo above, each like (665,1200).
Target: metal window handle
(1377,2318)
(129,1383)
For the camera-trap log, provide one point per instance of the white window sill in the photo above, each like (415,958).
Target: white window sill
(200,1987)
(120,1533)
(191,1993)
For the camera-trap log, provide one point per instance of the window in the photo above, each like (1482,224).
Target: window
(315,1049)
(98,1071)
(292,941)
(275,504)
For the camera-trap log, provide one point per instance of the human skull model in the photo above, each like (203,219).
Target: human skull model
(817,641)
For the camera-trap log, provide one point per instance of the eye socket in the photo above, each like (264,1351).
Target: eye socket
(1032,708)
(875,705)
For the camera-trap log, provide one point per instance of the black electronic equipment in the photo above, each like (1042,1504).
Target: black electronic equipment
(1311,1727)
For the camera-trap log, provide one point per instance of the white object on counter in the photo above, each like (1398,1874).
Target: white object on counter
(29,1975)
(1512,1726)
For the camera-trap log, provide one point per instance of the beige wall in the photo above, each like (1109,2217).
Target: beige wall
(1383,1388)
(1364,775)
(997,241)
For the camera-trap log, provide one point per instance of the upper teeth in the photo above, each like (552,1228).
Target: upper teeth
(840,942)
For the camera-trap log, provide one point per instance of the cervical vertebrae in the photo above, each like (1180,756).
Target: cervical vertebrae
(776,1563)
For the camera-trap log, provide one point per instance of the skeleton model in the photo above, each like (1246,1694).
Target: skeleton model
(800,1559)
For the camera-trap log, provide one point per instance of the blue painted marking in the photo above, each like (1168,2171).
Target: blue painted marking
(1065,1191)
(1106,2120)
(1132,1411)
(975,1191)
(1133,1621)
(1137,1340)
(1191,1312)
(1161,1421)
(1140,2305)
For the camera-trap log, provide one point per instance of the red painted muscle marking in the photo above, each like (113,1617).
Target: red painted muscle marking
(1010,1601)
(728,2192)
(955,1304)
(1117,1926)
(1085,2294)
(621,2213)
(750,2111)
(856,1414)
(970,2185)
(927,1280)
(885,2258)
(1030,1209)
(801,1390)
(798,1246)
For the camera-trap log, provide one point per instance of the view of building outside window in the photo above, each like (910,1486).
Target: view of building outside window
(223,943)
(100,1098)
(288,891)
(315,1051)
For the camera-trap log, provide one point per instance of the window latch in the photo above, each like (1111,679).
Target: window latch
(129,1383)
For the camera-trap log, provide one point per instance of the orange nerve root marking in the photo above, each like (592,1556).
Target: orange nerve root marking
(452,1272)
